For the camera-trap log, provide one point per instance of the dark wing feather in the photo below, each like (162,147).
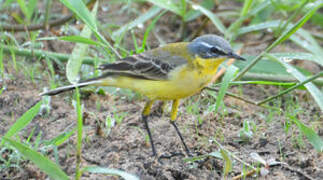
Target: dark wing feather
(146,65)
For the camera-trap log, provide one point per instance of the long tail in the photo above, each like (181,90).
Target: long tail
(69,87)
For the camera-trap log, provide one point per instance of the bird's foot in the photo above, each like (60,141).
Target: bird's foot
(169,156)
(173,154)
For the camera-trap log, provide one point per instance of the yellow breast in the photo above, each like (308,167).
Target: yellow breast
(192,78)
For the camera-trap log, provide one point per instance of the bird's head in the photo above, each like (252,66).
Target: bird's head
(212,46)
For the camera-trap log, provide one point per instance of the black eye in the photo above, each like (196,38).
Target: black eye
(217,51)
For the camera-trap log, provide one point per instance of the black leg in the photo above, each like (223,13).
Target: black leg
(172,121)
(145,114)
(145,119)
(181,137)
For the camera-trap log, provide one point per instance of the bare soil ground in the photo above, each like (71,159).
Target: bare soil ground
(125,146)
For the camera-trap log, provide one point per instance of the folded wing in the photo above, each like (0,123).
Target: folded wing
(154,65)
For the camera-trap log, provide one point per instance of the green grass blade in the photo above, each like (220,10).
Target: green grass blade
(259,26)
(246,7)
(140,20)
(31,7)
(134,42)
(269,67)
(79,8)
(233,28)
(109,171)
(79,134)
(23,8)
(7,3)
(193,14)
(228,76)
(195,158)
(42,162)
(227,162)
(314,91)
(305,40)
(77,39)
(168,5)
(265,66)
(74,63)
(60,139)
(298,55)
(261,82)
(300,84)
(1,90)
(2,71)
(23,121)
(49,38)
(215,20)
(310,134)
(317,19)
(148,29)
(215,154)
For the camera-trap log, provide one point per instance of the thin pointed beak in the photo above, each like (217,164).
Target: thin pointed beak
(236,56)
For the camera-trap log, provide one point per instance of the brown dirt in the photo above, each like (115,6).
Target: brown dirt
(125,146)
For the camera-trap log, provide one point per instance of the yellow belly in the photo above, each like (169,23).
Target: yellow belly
(165,90)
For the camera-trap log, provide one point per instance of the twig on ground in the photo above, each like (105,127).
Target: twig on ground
(92,161)
(291,88)
(34,27)
(234,156)
(241,176)
(304,174)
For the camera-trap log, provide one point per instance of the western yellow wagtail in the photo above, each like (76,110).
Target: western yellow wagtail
(171,72)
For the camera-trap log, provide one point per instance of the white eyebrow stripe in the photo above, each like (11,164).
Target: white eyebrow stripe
(210,46)
(206,44)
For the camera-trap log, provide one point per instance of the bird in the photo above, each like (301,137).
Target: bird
(168,73)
